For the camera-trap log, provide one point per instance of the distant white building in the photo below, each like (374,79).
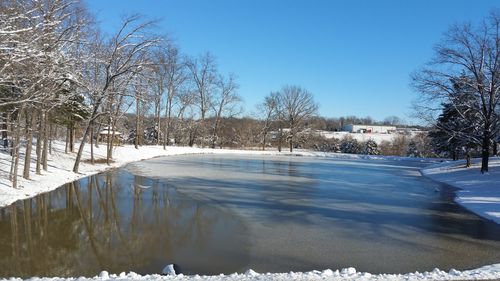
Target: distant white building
(368,129)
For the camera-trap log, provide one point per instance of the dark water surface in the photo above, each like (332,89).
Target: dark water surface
(221,214)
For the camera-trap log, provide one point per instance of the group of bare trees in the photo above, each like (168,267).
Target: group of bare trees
(41,43)
(463,79)
(59,72)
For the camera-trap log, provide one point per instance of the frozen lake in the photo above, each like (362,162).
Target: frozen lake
(225,213)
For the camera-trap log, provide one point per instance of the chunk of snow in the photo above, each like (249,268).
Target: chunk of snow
(327,272)
(169,270)
(348,271)
(251,272)
(104,275)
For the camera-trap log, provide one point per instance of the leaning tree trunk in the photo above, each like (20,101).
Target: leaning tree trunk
(93,116)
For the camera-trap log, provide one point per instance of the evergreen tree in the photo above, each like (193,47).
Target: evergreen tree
(413,150)
(371,148)
(350,145)
(457,129)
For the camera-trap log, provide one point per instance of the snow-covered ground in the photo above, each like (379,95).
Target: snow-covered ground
(480,193)
(490,272)
(377,137)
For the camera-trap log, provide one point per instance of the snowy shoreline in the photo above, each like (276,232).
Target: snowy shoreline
(476,192)
(489,272)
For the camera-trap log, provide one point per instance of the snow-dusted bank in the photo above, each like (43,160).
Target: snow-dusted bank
(480,194)
(490,272)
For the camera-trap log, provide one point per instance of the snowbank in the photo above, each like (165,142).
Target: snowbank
(484,273)
(479,193)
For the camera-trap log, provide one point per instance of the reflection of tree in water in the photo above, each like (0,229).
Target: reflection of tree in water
(115,222)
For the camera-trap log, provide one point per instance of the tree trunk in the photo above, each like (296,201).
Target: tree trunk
(51,137)
(5,118)
(45,141)
(495,148)
(467,158)
(15,151)
(67,141)
(167,130)
(291,144)
(91,124)
(39,144)
(485,154)
(29,145)
(280,138)
(216,128)
(98,138)
(108,144)
(72,137)
(264,141)
(76,166)
(136,141)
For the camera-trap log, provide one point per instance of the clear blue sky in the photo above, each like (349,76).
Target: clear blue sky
(354,56)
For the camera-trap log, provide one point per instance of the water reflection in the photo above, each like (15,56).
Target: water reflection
(117,222)
(309,213)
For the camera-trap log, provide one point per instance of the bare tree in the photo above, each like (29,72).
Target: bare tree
(268,111)
(170,75)
(296,105)
(470,56)
(123,54)
(225,103)
(204,74)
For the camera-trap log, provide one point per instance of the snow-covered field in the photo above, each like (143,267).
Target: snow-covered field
(480,193)
(377,137)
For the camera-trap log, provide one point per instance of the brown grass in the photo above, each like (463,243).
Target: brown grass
(98,161)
